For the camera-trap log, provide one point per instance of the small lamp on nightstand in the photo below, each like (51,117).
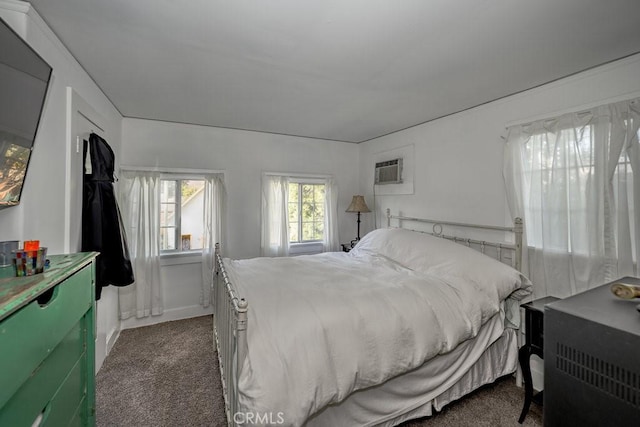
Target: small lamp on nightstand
(358,205)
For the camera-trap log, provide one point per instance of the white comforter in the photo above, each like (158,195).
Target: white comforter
(323,326)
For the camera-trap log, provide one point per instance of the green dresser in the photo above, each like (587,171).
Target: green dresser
(47,345)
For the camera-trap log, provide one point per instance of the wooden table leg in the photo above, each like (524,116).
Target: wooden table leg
(524,355)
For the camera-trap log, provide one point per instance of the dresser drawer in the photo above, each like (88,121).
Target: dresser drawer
(62,408)
(78,417)
(29,336)
(62,370)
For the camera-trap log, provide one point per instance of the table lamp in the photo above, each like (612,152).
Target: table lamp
(358,205)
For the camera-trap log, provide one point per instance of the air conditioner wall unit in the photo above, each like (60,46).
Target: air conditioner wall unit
(389,172)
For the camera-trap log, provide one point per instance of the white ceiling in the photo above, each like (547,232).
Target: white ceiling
(347,70)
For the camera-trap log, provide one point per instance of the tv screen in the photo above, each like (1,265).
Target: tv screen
(24,79)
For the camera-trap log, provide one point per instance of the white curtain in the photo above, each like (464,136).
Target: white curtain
(214,200)
(331,240)
(140,194)
(575,180)
(275,218)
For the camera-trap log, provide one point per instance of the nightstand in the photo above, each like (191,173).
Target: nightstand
(534,344)
(346,247)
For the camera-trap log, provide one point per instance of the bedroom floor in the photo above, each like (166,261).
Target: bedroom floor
(162,375)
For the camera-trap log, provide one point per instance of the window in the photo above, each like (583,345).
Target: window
(559,166)
(562,170)
(181,215)
(298,215)
(306,212)
(574,180)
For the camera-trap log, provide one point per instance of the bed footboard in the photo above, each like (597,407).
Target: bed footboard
(230,334)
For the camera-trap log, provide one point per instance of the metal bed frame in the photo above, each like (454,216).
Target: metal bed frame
(437,228)
(230,334)
(230,310)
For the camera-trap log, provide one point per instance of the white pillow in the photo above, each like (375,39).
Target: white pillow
(425,253)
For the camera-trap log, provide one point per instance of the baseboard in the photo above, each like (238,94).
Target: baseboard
(112,338)
(168,315)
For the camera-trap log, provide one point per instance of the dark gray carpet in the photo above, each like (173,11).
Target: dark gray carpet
(497,404)
(167,375)
(161,375)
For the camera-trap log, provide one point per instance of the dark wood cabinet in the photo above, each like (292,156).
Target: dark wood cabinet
(592,360)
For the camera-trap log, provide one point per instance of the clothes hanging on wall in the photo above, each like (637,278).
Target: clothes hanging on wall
(102,229)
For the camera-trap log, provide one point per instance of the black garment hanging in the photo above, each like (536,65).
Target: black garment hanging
(102,229)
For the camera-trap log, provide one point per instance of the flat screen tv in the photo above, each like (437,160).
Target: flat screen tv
(24,80)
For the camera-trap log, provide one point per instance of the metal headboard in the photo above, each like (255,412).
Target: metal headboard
(437,230)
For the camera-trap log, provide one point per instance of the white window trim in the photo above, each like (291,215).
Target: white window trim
(180,258)
(177,252)
(301,176)
(177,171)
(308,247)
(302,180)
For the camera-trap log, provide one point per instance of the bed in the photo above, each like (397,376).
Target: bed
(403,324)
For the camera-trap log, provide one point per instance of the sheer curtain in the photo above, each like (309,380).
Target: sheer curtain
(275,218)
(575,180)
(140,193)
(213,217)
(331,240)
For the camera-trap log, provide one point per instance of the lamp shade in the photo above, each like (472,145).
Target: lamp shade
(358,205)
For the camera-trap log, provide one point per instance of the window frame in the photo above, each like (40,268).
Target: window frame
(178,178)
(567,171)
(623,161)
(311,246)
(300,181)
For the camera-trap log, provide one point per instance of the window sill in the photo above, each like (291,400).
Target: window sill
(179,258)
(306,248)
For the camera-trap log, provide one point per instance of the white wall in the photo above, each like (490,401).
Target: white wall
(458,159)
(40,214)
(243,155)
(41,210)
